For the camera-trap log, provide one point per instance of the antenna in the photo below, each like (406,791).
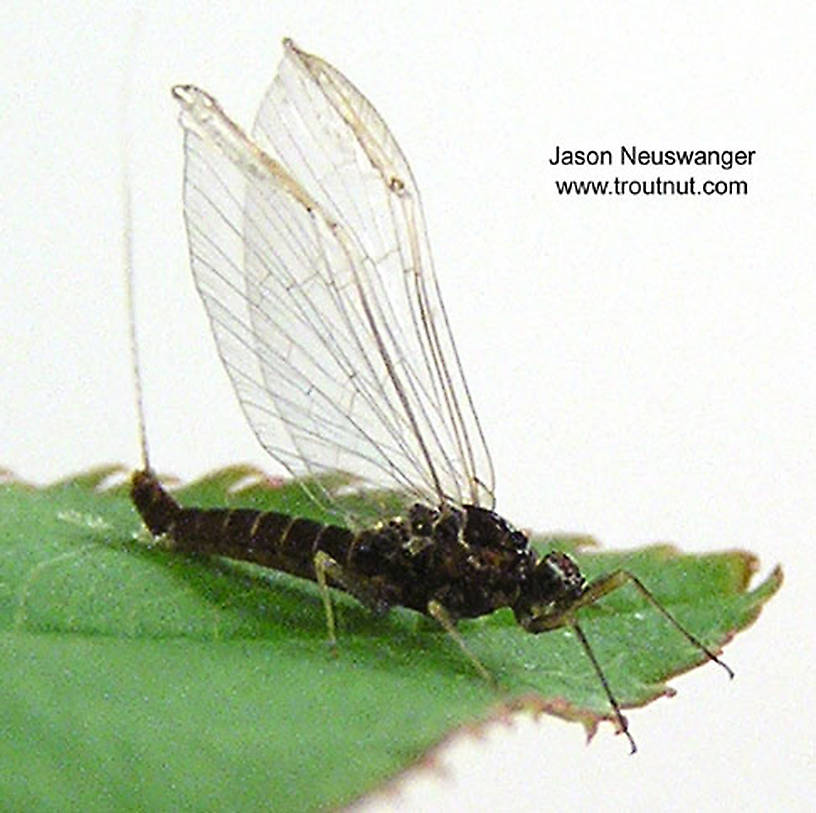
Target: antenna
(127,232)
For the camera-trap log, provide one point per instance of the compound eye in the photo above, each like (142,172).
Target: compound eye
(562,571)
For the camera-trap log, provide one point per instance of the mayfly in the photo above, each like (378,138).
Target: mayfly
(309,251)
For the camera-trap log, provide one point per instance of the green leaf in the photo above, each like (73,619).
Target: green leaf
(136,677)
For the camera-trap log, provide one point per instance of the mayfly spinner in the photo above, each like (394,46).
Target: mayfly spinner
(308,248)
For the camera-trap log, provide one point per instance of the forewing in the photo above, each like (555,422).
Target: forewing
(318,284)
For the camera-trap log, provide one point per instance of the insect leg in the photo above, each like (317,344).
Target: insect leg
(440,614)
(325,566)
(622,725)
(565,616)
(612,581)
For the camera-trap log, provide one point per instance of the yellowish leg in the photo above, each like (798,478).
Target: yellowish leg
(440,614)
(323,564)
(362,589)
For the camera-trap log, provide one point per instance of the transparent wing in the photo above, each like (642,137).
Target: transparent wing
(309,251)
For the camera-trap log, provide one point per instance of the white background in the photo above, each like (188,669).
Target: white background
(643,367)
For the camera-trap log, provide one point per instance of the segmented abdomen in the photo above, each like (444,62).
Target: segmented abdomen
(267,538)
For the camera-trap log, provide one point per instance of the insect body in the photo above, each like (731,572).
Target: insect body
(449,563)
(308,249)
